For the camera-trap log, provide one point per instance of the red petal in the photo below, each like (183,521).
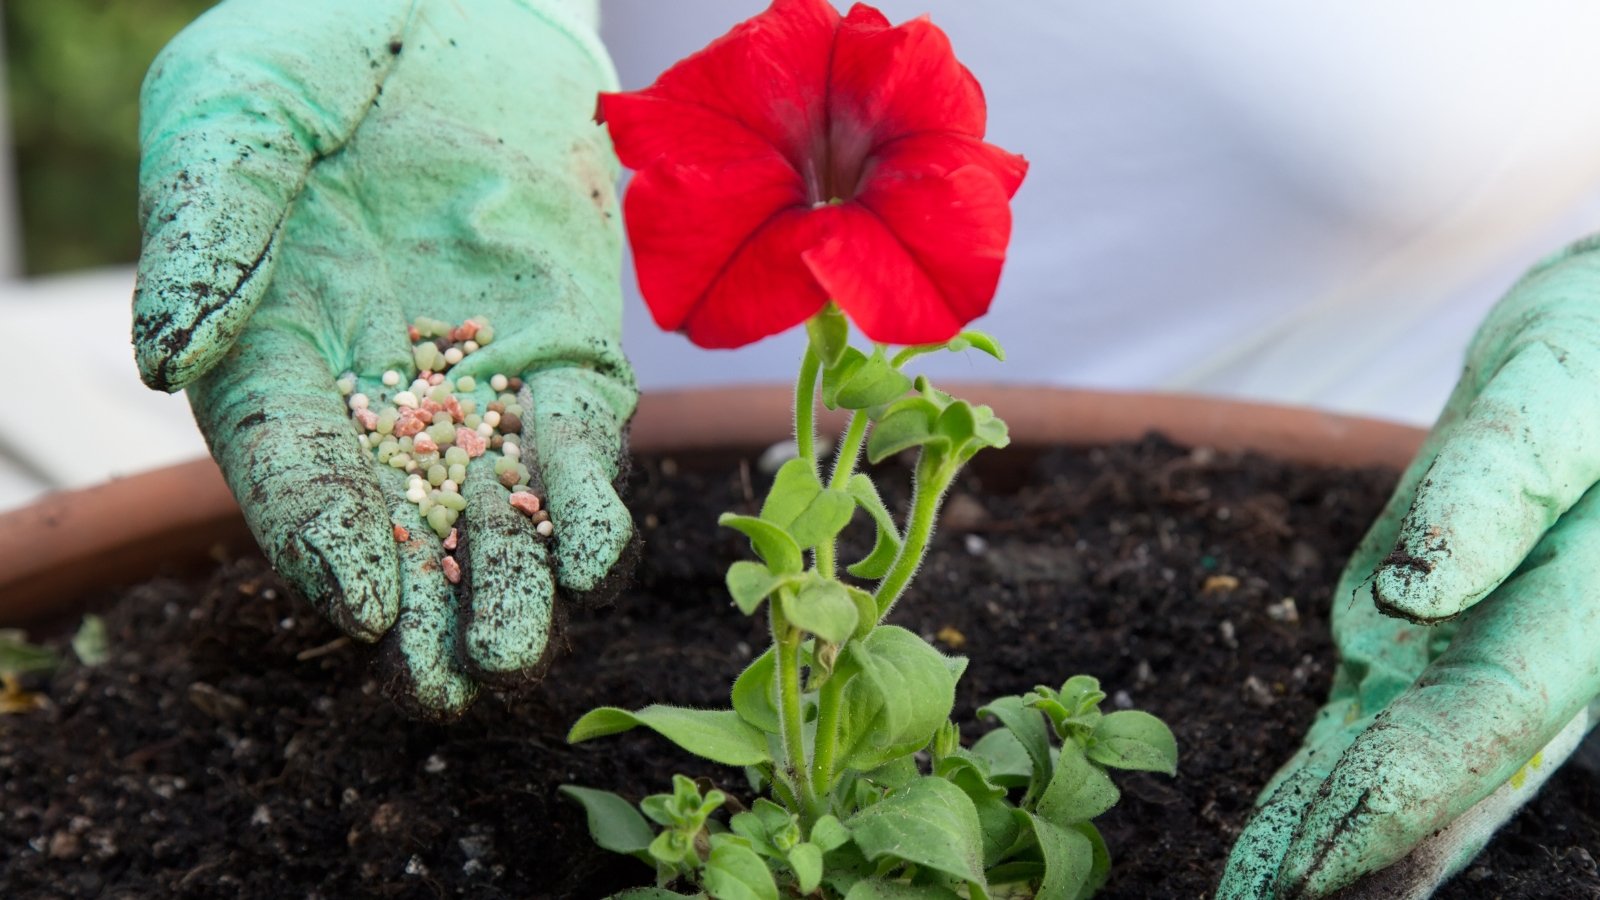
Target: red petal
(645,129)
(942,153)
(766,288)
(918,255)
(888,82)
(767,77)
(687,223)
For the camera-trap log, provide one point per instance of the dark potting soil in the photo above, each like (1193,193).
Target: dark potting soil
(234,746)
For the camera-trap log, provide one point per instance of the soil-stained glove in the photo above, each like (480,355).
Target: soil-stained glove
(1436,732)
(315,177)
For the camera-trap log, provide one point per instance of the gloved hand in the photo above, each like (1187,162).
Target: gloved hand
(1436,732)
(315,177)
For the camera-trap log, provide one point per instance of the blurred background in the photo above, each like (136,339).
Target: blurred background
(73,69)
(69,233)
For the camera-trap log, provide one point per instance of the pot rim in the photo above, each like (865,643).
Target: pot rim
(69,543)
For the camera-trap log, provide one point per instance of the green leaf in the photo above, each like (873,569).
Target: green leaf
(719,735)
(876,889)
(1100,871)
(90,643)
(1068,860)
(775,818)
(17,656)
(823,608)
(755,694)
(749,826)
(1028,727)
(673,849)
(833,378)
(650,893)
(905,424)
(799,504)
(771,542)
(988,430)
(967,774)
(844,867)
(872,382)
(806,861)
(614,823)
(829,332)
(1016,871)
(1051,707)
(829,833)
(938,398)
(751,582)
(827,515)
(996,821)
(899,691)
(735,872)
(866,611)
(894,774)
(978,340)
(1009,765)
(793,488)
(1081,694)
(887,545)
(1078,791)
(930,823)
(1133,739)
(956,424)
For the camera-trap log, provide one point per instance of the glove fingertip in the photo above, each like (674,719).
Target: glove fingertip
(596,593)
(1421,590)
(435,693)
(359,592)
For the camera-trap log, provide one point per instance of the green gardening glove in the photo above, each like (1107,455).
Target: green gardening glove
(1436,732)
(315,177)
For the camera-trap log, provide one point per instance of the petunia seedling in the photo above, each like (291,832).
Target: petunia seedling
(831,170)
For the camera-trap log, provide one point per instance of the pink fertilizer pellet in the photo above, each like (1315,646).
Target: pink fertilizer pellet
(526,503)
(471,441)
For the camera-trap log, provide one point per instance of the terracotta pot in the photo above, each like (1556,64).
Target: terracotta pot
(58,551)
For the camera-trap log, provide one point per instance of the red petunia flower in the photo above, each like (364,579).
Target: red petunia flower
(803,157)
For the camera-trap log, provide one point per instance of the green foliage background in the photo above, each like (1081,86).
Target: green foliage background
(73,69)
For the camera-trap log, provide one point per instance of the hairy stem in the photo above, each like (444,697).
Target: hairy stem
(805,399)
(829,702)
(844,465)
(787,641)
(928,489)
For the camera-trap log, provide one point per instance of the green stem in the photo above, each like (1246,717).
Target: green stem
(829,703)
(805,399)
(787,641)
(928,490)
(844,465)
(909,353)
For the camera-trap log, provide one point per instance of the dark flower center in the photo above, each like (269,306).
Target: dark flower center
(834,170)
